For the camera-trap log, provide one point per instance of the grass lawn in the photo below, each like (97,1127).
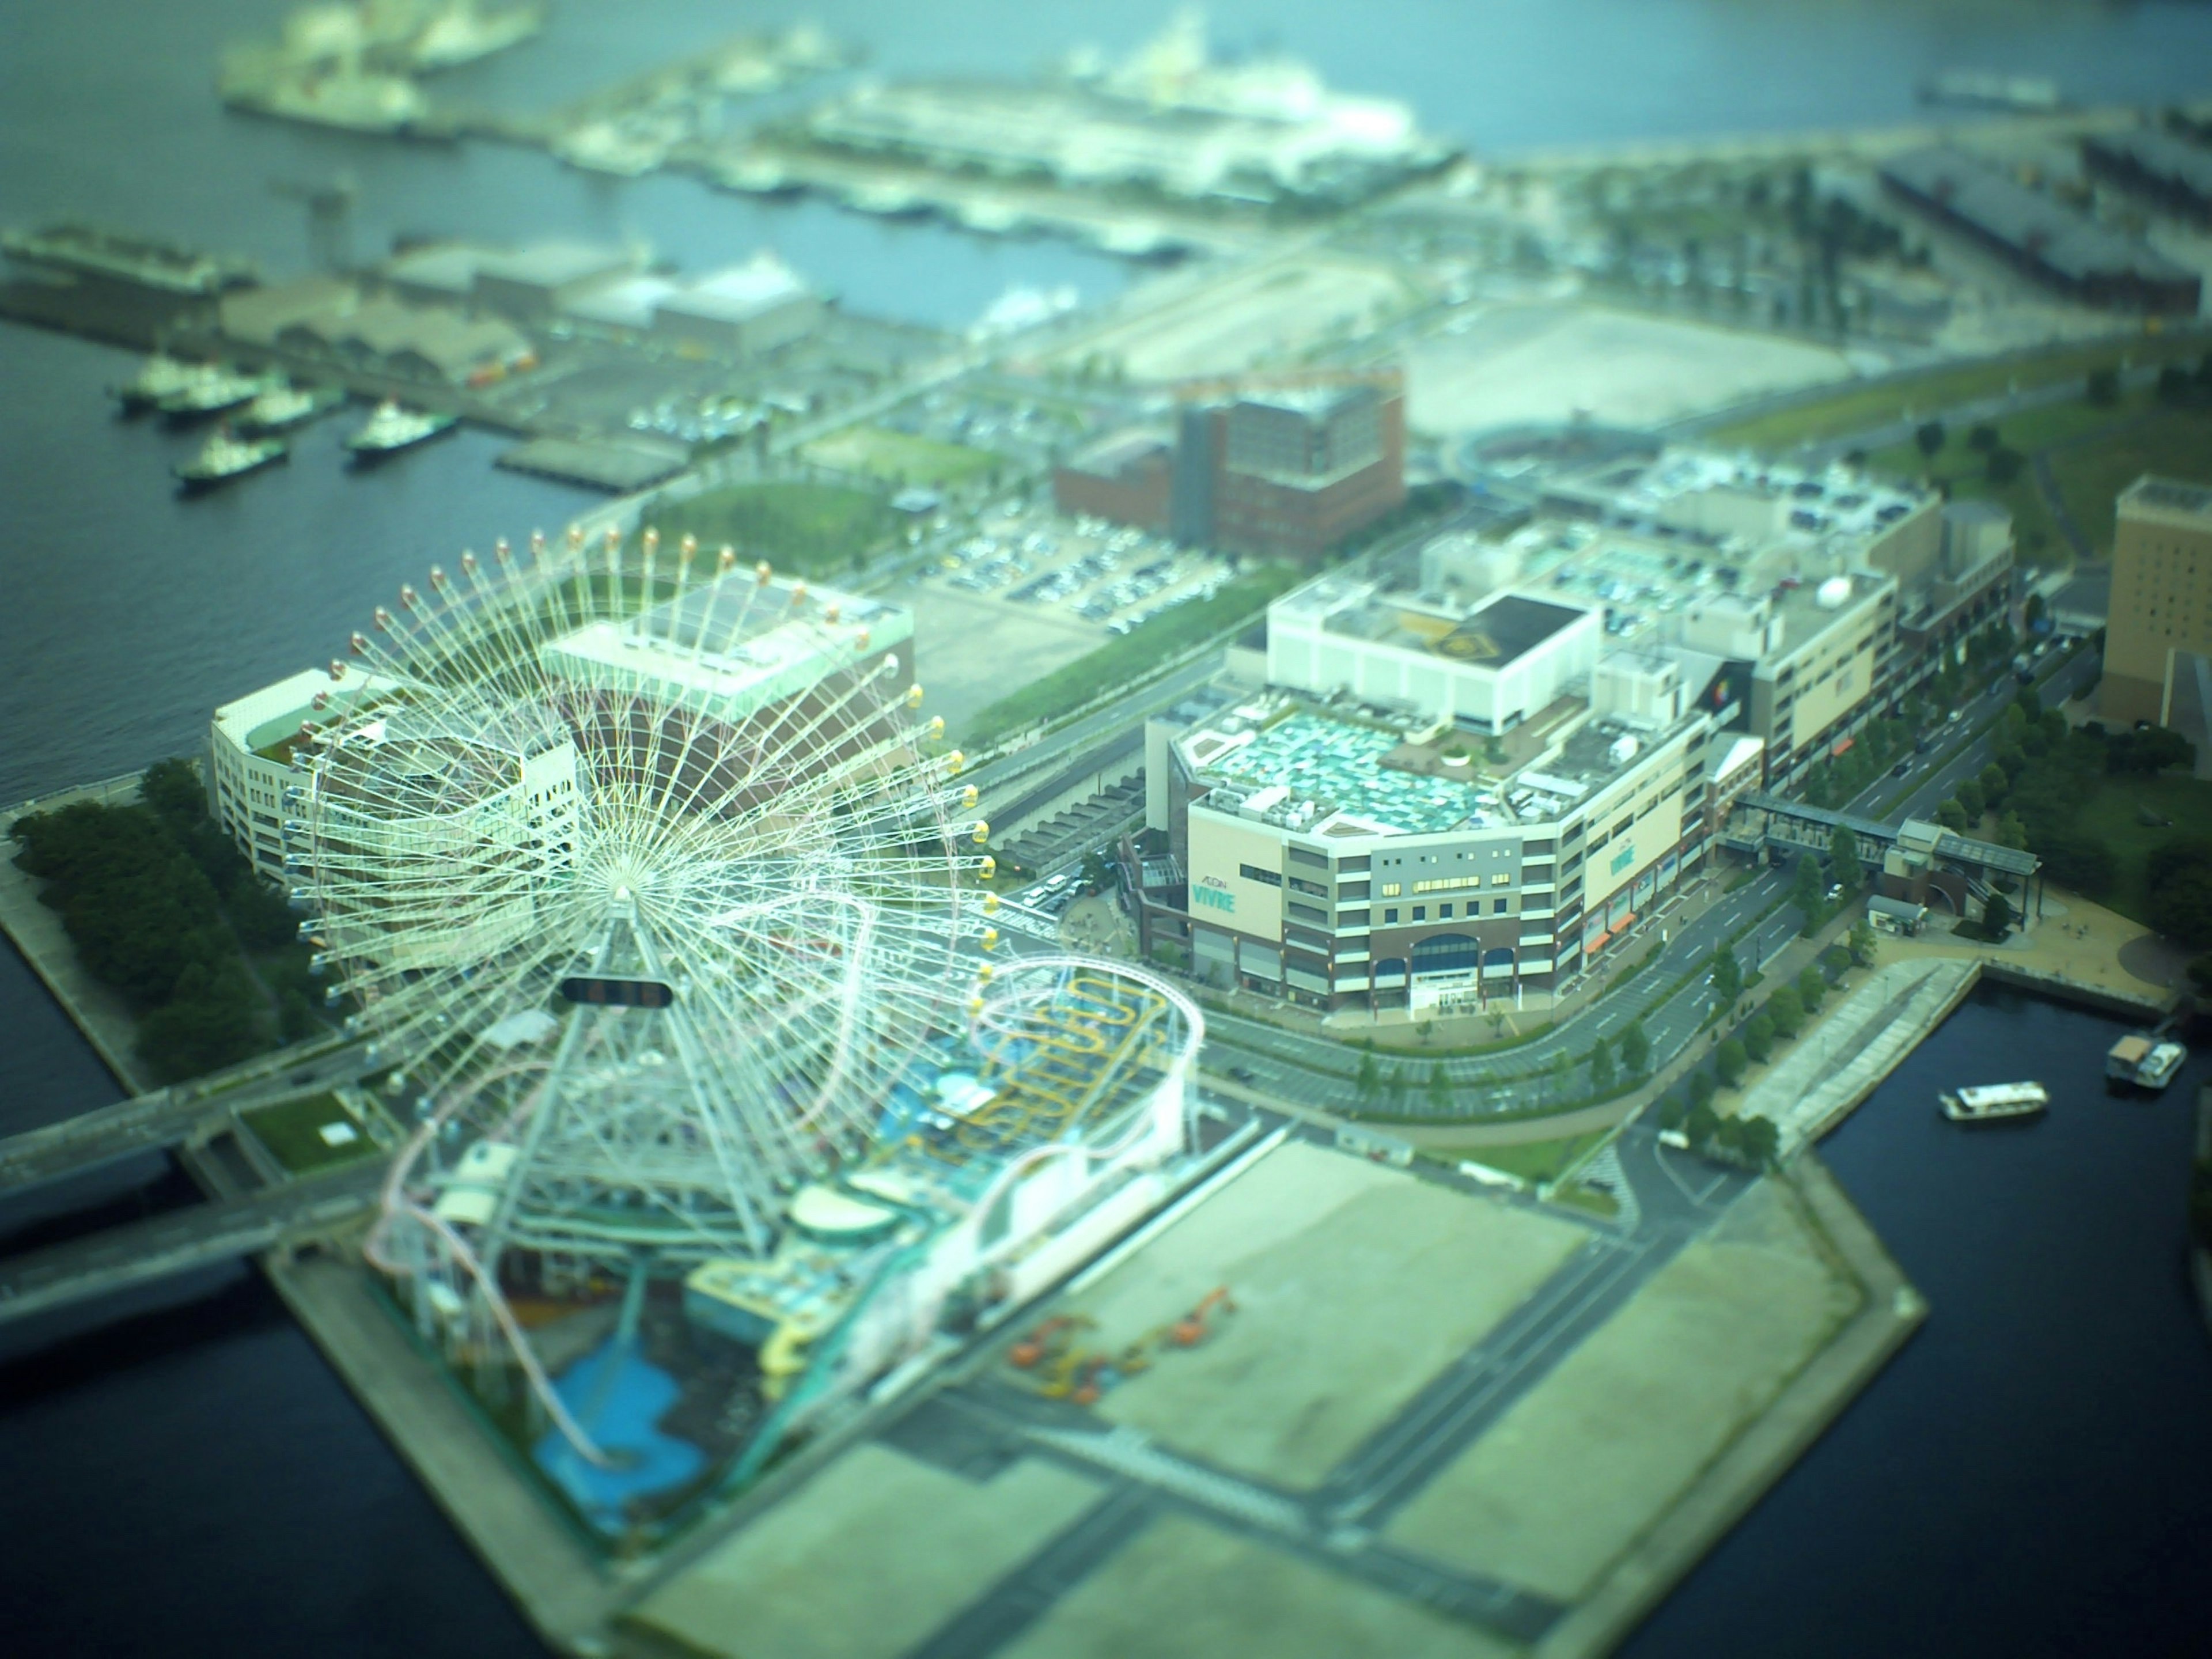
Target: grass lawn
(2110,815)
(899,457)
(807,529)
(1127,660)
(2176,442)
(1856,409)
(1531,1160)
(293,1131)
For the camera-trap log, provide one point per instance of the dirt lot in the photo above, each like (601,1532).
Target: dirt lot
(1498,366)
(1354,1284)
(1595,1454)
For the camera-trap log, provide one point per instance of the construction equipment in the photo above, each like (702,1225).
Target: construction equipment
(1196,1326)
(1048,1340)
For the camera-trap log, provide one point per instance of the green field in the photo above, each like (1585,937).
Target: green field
(1531,1160)
(2176,442)
(1862,407)
(899,457)
(293,1131)
(1127,660)
(808,529)
(2110,815)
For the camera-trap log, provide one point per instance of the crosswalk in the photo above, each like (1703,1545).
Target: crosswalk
(1604,1170)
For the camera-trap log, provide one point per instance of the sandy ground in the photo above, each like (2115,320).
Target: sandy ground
(1182,1589)
(2076,937)
(865,1559)
(969,650)
(1593,1456)
(1096,927)
(1504,365)
(1354,1285)
(1266,315)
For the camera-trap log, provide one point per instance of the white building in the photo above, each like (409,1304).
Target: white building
(742,311)
(249,753)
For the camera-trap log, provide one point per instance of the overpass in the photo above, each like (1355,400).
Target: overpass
(1762,820)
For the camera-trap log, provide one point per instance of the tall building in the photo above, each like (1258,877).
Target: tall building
(2161,608)
(250,746)
(1290,471)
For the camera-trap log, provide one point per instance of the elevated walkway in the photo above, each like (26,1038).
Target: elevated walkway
(159,1246)
(144,1123)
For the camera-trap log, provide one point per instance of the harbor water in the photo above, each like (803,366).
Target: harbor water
(2030,1475)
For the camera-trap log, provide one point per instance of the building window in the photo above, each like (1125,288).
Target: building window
(1253,872)
(1391,889)
(1444,913)
(1390,916)
(1501,879)
(1421,913)
(1498,907)
(1300,885)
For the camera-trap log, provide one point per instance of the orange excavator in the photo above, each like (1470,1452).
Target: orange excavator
(1047,1340)
(1194,1327)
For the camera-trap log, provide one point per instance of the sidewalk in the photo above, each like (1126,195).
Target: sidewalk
(2077,939)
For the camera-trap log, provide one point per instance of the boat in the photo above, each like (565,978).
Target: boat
(1987,89)
(213,391)
(282,406)
(393,428)
(461,32)
(223,458)
(2145,1059)
(1990,1102)
(161,376)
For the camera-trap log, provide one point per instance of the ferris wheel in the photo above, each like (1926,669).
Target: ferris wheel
(638,865)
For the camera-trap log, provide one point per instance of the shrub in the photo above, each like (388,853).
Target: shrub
(1730,1060)
(2004,465)
(1812,989)
(1700,1086)
(1787,1009)
(1759,1038)
(1928,434)
(1672,1111)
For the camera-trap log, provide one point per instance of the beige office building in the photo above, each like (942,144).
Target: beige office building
(2161,608)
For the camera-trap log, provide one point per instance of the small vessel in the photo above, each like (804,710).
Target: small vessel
(393,428)
(282,406)
(1987,1103)
(1987,89)
(223,458)
(2146,1059)
(162,376)
(214,390)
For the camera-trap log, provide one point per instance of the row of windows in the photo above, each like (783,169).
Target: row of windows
(1497,908)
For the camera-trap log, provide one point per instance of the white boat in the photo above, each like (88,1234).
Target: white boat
(224,458)
(393,428)
(2160,1065)
(2145,1059)
(162,376)
(283,407)
(1988,1101)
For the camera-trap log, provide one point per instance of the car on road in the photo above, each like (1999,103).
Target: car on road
(1951,719)
(1900,768)
(1835,892)
(301,1079)
(1242,1074)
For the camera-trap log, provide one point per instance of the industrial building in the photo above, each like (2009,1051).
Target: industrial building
(1290,470)
(2162,166)
(740,312)
(2161,626)
(332,320)
(2065,250)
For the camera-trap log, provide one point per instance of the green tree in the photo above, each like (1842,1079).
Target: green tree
(1700,1087)
(1672,1111)
(1969,797)
(1727,976)
(1730,1060)
(1787,1009)
(1440,1091)
(1952,816)
(1993,782)
(1996,916)
(1636,1050)
(1759,1038)
(1982,438)
(1929,436)
(2181,907)
(1365,1081)
(1561,1068)
(1757,1141)
(1812,989)
(1844,859)
(1807,895)
(2011,833)
(1096,872)
(1601,1066)
(2003,465)
(1862,946)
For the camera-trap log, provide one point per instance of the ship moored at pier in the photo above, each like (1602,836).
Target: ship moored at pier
(1989,1103)
(2145,1059)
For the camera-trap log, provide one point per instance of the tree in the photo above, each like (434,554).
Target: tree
(1096,872)
(2104,386)
(1952,816)
(1702,1123)
(1993,782)
(2011,833)
(1730,1060)
(1996,917)
(2150,750)
(1728,976)
(1701,1091)
(1635,1049)
(1787,1009)
(1928,434)
(1440,1091)
(1844,859)
(1672,1111)
(1982,437)
(1601,1066)
(1812,989)
(2181,907)
(2034,610)
(1561,1068)
(1757,1139)
(1365,1080)
(2003,465)
(1862,946)
(1759,1038)
(1969,797)
(1806,893)
(1397,1088)
(2087,866)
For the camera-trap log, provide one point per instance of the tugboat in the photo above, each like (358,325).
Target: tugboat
(282,406)
(393,429)
(162,376)
(213,391)
(1992,1102)
(2145,1059)
(224,458)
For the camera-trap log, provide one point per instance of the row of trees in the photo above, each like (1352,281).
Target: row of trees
(159,904)
(1605,1065)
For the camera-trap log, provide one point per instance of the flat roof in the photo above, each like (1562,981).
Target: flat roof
(738,292)
(2162,154)
(2169,495)
(553,264)
(2066,241)
(1504,630)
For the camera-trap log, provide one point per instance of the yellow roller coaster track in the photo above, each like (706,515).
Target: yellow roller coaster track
(1076,1045)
